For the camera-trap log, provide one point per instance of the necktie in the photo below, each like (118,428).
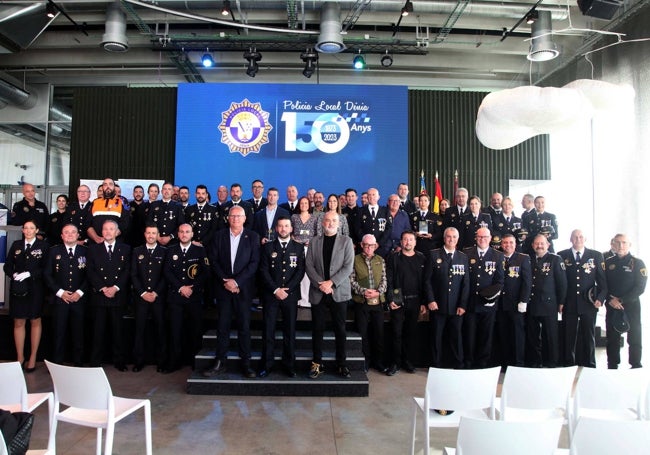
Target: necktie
(150,250)
(184,250)
(423,214)
(70,253)
(577,256)
(372,212)
(28,248)
(110,252)
(291,205)
(480,255)
(508,220)
(200,209)
(81,206)
(284,245)
(450,256)
(507,263)
(462,212)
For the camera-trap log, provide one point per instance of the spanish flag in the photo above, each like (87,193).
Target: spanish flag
(438,196)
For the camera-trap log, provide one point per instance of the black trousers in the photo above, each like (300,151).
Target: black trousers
(478,329)
(240,308)
(370,325)
(633,310)
(579,339)
(338,312)
(451,326)
(403,324)
(157,311)
(511,332)
(542,340)
(107,315)
(289,310)
(62,315)
(190,312)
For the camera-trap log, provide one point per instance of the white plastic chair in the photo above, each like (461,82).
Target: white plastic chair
(497,437)
(609,395)
(469,393)
(607,437)
(91,404)
(13,393)
(536,393)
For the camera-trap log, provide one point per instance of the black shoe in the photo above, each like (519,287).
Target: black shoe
(408,367)
(137,368)
(219,367)
(248,372)
(121,367)
(263,373)
(344,372)
(392,371)
(381,368)
(30,370)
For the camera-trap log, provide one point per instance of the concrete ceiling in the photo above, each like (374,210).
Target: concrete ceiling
(440,44)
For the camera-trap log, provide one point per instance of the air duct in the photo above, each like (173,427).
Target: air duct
(114,39)
(542,47)
(330,40)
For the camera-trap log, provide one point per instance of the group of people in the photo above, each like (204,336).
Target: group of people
(488,281)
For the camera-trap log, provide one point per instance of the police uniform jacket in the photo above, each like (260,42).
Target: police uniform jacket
(246,262)
(472,224)
(352,214)
(260,224)
(18,261)
(483,272)
(138,213)
(453,217)
(64,272)
(408,206)
(580,278)
(55,226)
(378,226)
(204,222)
(283,268)
(447,281)
(258,206)
(147,270)
(517,282)
(104,272)
(80,217)
(626,277)
(167,216)
(539,221)
(23,212)
(189,269)
(434,227)
(549,287)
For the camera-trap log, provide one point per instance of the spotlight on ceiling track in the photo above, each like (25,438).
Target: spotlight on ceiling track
(359,62)
(252,57)
(542,47)
(310,57)
(50,10)
(207,61)
(532,17)
(114,38)
(408,8)
(225,9)
(386,60)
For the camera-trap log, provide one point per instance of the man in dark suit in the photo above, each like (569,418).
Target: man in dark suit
(65,275)
(234,256)
(282,267)
(547,297)
(236,201)
(147,265)
(292,200)
(513,301)
(351,211)
(486,282)
(186,270)
(167,214)
(257,201)
(587,290)
(447,281)
(404,203)
(329,263)
(265,220)
(108,274)
(373,219)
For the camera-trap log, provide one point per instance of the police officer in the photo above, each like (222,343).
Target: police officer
(486,282)
(547,297)
(427,225)
(373,219)
(149,288)
(282,267)
(447,293)
(587,290)
(541,222)
(626,280)
(203,217)
(168,215)
(79,213)
(512,304)
(472,221)
(186,269)
(65,275)
(31,209)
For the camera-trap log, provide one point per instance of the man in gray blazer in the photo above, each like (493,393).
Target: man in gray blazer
(329,263)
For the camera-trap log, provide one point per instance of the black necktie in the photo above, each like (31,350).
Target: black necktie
(577,256)
(480,255)
(200,209)
(150,250)
(508,220)
(184,251)
(28,248)
(372,213)
(450,256)
(70,253)
(81,206)
(284,245)
(507,263)
(110,252)
(423,214)
(291,205)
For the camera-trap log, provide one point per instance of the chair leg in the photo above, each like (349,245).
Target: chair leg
(110,431)
(51,441)
(98,449)
(147,426)
(413,422)
(427,441)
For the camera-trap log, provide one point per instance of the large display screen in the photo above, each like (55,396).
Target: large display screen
(329,137)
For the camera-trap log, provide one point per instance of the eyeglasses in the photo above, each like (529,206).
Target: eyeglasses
(483,236)
(236,216)
(368,245)
(257,187)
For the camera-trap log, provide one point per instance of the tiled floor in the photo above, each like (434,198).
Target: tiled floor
(191,424)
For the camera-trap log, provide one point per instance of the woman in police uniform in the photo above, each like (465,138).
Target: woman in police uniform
(25,263)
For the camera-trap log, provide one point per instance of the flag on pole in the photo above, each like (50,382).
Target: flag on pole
(423,185)
(438,195)
(455,185)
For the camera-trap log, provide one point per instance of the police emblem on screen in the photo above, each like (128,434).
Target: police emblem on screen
(245,127)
